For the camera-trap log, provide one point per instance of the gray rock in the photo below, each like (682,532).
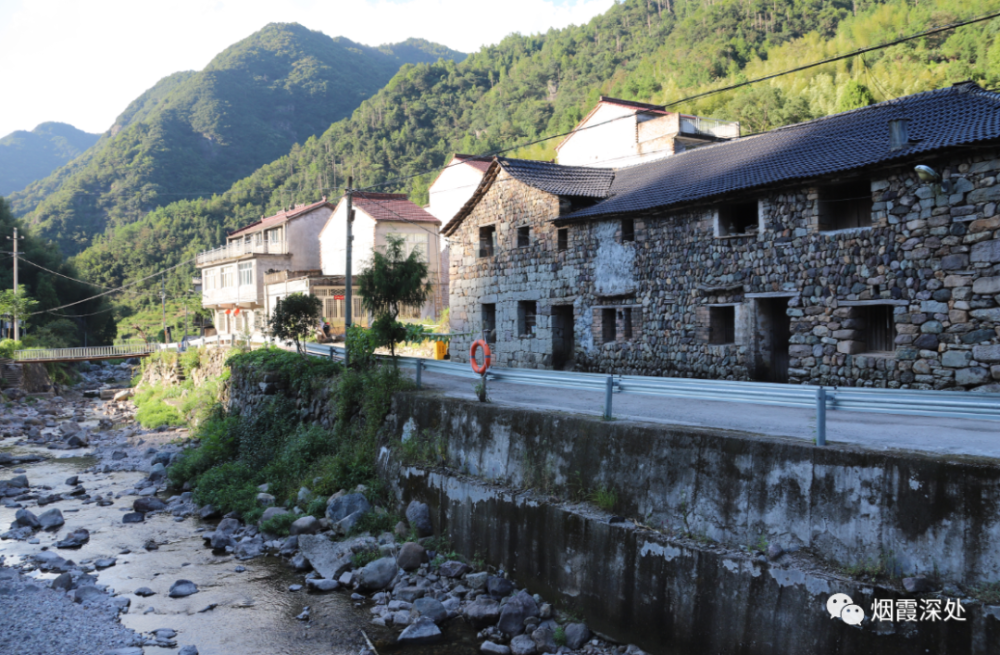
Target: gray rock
(409,593)
(270,513)
(422,631)
(118,455)
(133,517)
(144,592)
(453,569)
(498,587)
(494,649)
(86,594)
(76,441)
(322,584)
(72,481)
(183,588)
(75,539)
(163,458)
(105,563)
(476,581)
(304,525)
(157,472)
(482,613)
(250,547)
(515,611)
(304,497)
(523,645)
(378,574)
(431,608)
(329,559)
(265,500)
(340,508)
(125,651)
(64,582)
(26,519)
(918,585)
(411,556)
(634,650)
(208,512)
(419,516)
(300,563)
(545,641)
(577,634)
(774,551)
(188,650)
(345,525)
(17,482)
(227,526)
(148,504)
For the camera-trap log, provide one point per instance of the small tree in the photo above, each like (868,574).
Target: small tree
(294,318)
(18,304)
(389,282)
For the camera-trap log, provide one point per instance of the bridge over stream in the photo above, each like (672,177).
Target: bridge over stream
(96,353)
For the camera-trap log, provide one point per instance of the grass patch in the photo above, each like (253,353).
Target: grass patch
(281,524)
(989,593)
(364,557)
(604,498)
(559,636)
(884,566)
(376,523)
(427,448)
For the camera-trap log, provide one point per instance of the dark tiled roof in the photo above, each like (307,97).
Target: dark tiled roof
(959,115)
(477,162)
(560,180)
(648,108)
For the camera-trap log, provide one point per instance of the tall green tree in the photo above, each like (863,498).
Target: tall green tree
(854,95)
(390,281)
(16,304)
(294,318)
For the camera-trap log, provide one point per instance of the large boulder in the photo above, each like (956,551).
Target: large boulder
(422,631)
(26,519)
(513,614)
(523,645)
(419,516)
(411,556)
(378,574)
(499,587)
(304,525)
(431,608)
(183,588)
(577,634)
(341,507)
(75,539)
(270,513)
(329,559)
(147,504)
(482,613)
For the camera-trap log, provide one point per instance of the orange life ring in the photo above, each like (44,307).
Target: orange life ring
(479,343)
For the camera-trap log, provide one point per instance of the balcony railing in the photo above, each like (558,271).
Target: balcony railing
(235,249)
(709,127)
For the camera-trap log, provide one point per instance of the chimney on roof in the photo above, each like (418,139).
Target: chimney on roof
(899,133)
(324,198)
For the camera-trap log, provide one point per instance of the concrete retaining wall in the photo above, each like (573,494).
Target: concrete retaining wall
(935,516)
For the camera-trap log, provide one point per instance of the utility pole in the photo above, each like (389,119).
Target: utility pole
(163,305)
(16,239)
(347,275)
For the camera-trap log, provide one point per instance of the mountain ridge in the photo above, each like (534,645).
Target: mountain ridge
(26,156)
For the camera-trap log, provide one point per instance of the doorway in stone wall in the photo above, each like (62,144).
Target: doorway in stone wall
(773,332)
(562,337)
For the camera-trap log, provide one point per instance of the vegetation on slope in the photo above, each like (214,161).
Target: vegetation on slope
(29,156)
(196,133)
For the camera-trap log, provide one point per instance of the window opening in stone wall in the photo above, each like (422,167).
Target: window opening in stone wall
(608,326)
(627,323)
(738,219)
(526,312)
(880,328)
(562,238)
(487,240)
(523,237)
(722,325)
(490,322)
(628,230)
(844,206)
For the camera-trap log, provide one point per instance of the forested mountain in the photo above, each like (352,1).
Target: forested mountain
(529,86)
(29,156)
(195,133)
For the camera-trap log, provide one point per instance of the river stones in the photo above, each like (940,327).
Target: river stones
(183,588)
(498,587)
(340,508)
(378,574)
(322,584)
(26,519)
(577,634)
(133,517)
(431,608)
(422,631)
(454,569)
(304,525)
(144,592)
(330,559)
(148,504)
(74,539)
(482,613)
(86,593)
(411,556)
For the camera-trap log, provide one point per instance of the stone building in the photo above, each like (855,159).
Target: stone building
(860,249)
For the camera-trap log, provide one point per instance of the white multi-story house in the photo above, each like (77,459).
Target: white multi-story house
(377,215)
(233,284)
(619,133)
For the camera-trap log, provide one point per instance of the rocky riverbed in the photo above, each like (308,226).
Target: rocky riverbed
(100,557)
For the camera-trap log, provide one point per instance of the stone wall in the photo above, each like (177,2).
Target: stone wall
(929,260)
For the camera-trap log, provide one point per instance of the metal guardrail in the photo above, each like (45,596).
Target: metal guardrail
(96,352)
(940,404)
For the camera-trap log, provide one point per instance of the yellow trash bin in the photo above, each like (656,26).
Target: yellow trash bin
(440,349)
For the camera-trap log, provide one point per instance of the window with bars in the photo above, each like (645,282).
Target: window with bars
(846,205)
(562,238)
(526,316)
(628,230)
(880,328)
(487,240)
(523,237)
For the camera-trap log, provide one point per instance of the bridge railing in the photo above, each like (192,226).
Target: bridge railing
(95,352)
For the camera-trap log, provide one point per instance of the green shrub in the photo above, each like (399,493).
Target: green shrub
(376,523)
(559,636)
(605,498)
(280,524)
(157,415)
(364,557)
(231,487)
(190,360)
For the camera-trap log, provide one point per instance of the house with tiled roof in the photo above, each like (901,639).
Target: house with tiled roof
(618,133)
(860,249)
(233,275)
(377,215)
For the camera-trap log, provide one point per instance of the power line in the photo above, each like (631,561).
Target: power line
(60,274)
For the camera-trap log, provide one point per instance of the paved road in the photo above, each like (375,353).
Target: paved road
(872,431)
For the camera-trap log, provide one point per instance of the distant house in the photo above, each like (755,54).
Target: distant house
(860,249)
(377,215)
(618,133)
(233,274)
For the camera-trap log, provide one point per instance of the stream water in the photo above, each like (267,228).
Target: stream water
(252,612)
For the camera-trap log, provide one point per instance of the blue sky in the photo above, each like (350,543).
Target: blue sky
(83,62)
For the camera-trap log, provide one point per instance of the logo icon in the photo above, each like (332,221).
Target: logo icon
(840,606)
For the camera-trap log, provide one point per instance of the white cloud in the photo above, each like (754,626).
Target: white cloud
(83,62)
